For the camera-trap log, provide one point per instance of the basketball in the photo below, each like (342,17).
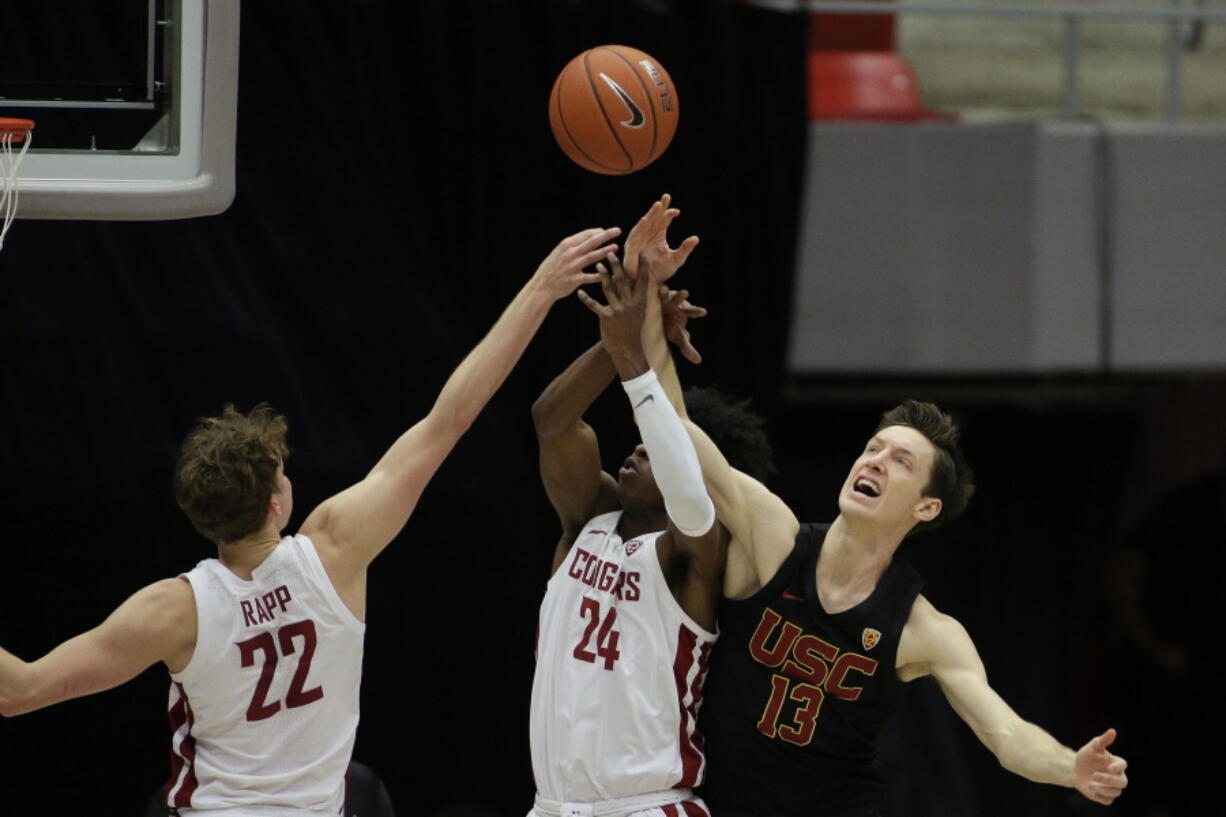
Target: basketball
(613,109)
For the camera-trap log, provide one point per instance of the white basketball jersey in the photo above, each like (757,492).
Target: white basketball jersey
(619,672)
(264,715)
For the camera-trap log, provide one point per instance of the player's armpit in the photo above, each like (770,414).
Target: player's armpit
(157,623)
(703,558)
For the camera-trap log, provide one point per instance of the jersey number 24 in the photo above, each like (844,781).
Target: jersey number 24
(606,639)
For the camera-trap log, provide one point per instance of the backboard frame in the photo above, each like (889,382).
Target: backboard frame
(195,177)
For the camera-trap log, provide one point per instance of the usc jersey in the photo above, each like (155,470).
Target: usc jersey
(798,696)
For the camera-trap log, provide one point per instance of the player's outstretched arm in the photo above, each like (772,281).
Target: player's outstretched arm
(158,623)
(692,527)
(937,644)
(648,243)
(569,452)
(763,528)
(621,327)
(577,486)
(356,524)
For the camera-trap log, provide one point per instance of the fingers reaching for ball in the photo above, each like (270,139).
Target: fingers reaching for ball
(562,271)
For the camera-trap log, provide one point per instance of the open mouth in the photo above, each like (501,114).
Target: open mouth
(866,487)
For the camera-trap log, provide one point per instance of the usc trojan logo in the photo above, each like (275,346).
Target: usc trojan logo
(870,637)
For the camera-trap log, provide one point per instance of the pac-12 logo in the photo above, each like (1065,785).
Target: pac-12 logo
(632,546)
(870,637)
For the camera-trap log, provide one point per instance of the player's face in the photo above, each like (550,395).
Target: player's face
(636,484)
(283,500)
(887,480)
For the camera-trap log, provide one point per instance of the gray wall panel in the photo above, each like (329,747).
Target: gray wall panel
(962,249)
(1066,297)
(1170,273)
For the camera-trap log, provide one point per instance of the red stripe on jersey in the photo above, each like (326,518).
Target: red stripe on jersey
(689,696)
(689,808)
(182,757)
(178,717)
(700,678)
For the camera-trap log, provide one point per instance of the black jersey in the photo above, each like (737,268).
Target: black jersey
(796,697)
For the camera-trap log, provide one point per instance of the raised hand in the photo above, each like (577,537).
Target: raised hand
(561,273)
(676,311)
(623,314)
(1098,774)
(650,238)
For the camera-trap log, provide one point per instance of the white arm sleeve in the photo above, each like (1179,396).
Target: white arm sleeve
(673,458)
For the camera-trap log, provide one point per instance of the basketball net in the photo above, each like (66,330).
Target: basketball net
(9,163)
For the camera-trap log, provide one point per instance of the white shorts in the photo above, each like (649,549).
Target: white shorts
(690,806)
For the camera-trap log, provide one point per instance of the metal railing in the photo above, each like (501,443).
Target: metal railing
(1176,18)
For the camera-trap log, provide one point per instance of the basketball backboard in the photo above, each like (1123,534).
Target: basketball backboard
(135,104)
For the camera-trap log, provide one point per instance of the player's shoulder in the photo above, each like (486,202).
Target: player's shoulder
(925,616)
(930,633)
(166,615)
(173,591)
(174,597)
(164,611)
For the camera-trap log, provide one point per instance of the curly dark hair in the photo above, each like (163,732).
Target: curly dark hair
(227,470)
(737,432)
(951,480)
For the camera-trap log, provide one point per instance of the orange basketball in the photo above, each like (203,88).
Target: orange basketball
(613,109)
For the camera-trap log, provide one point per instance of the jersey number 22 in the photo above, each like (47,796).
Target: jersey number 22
(259,708)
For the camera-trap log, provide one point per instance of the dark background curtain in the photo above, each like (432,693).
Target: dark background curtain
(397,183)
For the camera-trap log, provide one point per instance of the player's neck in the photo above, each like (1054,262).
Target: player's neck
(854,555)
(636,522)
(245,555)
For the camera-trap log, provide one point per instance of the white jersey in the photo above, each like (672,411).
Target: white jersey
(619,672)
(264,714)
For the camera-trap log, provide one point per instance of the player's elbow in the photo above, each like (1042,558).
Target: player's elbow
(11,708)
(540,412)
(451,421)
(545,413)
(15,700)
(692,512)
(1005,743)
